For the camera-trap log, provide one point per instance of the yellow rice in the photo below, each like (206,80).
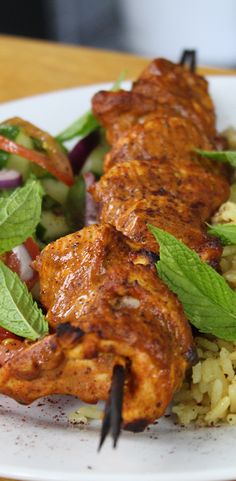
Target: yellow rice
(208,395)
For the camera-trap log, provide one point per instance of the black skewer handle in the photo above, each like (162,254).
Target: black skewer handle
(112,419)
(189,58)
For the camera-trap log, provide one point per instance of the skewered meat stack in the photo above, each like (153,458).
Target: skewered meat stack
(117,333)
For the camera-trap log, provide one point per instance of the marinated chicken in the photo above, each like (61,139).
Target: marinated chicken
(108,308)
(152,173)
(164,88)
(157,196)
(117,332)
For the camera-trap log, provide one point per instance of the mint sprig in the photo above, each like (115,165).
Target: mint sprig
(208,301)
(20,214)
(221,156)
(18,312)
(225,232)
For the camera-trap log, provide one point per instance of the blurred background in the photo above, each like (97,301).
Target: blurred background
(144,27)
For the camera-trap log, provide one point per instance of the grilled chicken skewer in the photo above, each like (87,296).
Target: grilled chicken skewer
(108,308)
(152,174)
(115,324)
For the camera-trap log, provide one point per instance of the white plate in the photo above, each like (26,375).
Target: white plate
(38,443)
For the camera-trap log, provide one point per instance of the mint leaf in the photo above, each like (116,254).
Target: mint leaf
(87,123)
(81,127)
(20,214)
(222,156)
(226,233)
(18,312)
(208,301)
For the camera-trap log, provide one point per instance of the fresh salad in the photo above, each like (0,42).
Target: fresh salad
(43,196)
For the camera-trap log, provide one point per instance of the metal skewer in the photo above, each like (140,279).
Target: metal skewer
(189,58)
(112,420)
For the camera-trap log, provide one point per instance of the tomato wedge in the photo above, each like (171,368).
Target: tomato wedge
(15,261)
(4,334)
(51,157)
(32,248)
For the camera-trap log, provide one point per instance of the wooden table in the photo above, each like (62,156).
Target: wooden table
(31,67)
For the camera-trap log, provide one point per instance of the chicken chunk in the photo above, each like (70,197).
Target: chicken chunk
(164,88)
(171,138)
(174,85)
(130,196)
(108,307)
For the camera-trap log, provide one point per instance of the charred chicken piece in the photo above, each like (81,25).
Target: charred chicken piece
(173,84)
(170,138)
(109,308)
(152,173)
(142,196)
(164,88)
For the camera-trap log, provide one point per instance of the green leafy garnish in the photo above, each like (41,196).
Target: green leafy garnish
(208,301)
(9,131)
(86,124)
(20,214)
(81,127)
(224,156)
(226,233)
(38,145)
(4,156)
(18,312)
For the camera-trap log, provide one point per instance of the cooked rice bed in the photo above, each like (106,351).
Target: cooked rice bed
(210,396)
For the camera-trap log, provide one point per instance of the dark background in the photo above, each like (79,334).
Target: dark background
(145,27)
(85,22)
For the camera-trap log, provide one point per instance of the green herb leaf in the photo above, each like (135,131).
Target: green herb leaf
(87,123)
(81,127)
(4,156)
(226,233)
(208,301)
(18,312)
(226,156)
(38,145)
(9,131)
(20,214)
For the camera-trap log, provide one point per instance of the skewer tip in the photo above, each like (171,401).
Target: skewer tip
(189,58)
(112,420)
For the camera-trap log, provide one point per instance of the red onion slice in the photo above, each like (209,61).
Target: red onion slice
(81,151)
(10,179)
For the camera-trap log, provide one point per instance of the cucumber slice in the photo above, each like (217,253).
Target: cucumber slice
(94,162)
(24,166)
(75,204)
(52,226)
(18,163)
(55,189)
